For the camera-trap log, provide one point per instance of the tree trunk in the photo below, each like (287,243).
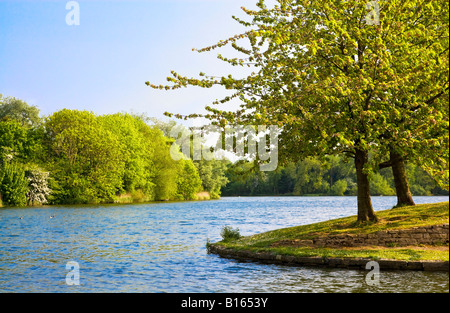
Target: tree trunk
(365,209)
(404,196)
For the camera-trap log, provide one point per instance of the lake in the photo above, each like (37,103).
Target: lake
(160,247)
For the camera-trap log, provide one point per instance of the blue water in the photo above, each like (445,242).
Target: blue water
(160,247)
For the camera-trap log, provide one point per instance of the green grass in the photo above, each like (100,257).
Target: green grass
(395,218)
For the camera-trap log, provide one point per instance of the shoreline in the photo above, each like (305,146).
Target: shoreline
(200,197)
(330,262)
(405,238)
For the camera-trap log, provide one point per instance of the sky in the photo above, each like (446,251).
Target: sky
(102,64)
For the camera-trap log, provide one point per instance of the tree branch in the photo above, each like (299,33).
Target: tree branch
(385,164)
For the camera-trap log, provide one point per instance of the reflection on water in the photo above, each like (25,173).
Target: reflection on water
(161,248)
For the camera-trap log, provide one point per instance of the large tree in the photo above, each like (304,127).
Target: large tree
(343,77)
(84,158)
(19,110)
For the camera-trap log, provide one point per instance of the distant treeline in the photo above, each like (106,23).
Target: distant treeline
(334,177)
(76,157)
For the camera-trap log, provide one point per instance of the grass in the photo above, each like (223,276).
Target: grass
(132,197)
(204,195)
(395,218)
(139,197)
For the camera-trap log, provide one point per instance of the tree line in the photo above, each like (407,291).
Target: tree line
(75,157)
(313,177)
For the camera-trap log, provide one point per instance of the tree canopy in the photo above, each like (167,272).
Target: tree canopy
(73,156)
(337,84)
(16,109)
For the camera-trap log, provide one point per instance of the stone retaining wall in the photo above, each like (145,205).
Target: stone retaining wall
(350,263)
(426,235)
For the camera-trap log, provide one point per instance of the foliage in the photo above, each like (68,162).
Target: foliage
(13,139)
(339,188)
(165,170)
(188,181)
(20,111)
(336,84)
(302,178)
(38,186)
(229,233)
(96,159)
(13,184)
(136,152)
(212,175)
(380,186)
(87,160)
(212,172)
(309,177)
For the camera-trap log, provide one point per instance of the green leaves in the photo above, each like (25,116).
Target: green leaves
(20,111)
(13,184)
(100,158)
(188,181)
(87,157)
(324,67)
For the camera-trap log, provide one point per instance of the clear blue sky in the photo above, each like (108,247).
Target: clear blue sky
(102,64)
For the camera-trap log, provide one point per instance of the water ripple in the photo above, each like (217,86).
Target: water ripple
(161,248)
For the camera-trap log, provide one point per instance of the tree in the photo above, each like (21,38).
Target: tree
(337,84)
(286,182)
(188,180)
(136,150)
(16,109)
(87,163)
(339,188)
(380,186)
(309,175)
(212,172)
(284,179)
(38,189)
(397,163)
(13,184)
(212,175)
(13,140)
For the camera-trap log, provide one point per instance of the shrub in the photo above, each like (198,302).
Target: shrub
(228,233)
(379,186)
(188,181)
(339,188)
(38,186)
(13,185)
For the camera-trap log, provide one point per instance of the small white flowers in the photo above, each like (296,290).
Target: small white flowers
(39,189)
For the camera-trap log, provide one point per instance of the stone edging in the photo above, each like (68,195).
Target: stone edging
(424,235)
(350,263)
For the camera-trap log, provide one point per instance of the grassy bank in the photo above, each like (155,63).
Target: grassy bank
(392,219)
(139,197)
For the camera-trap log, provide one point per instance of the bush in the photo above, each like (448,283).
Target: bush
(13,185)
(38,186)
(188,181)
(339,188)
(379,186)
(229,234)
